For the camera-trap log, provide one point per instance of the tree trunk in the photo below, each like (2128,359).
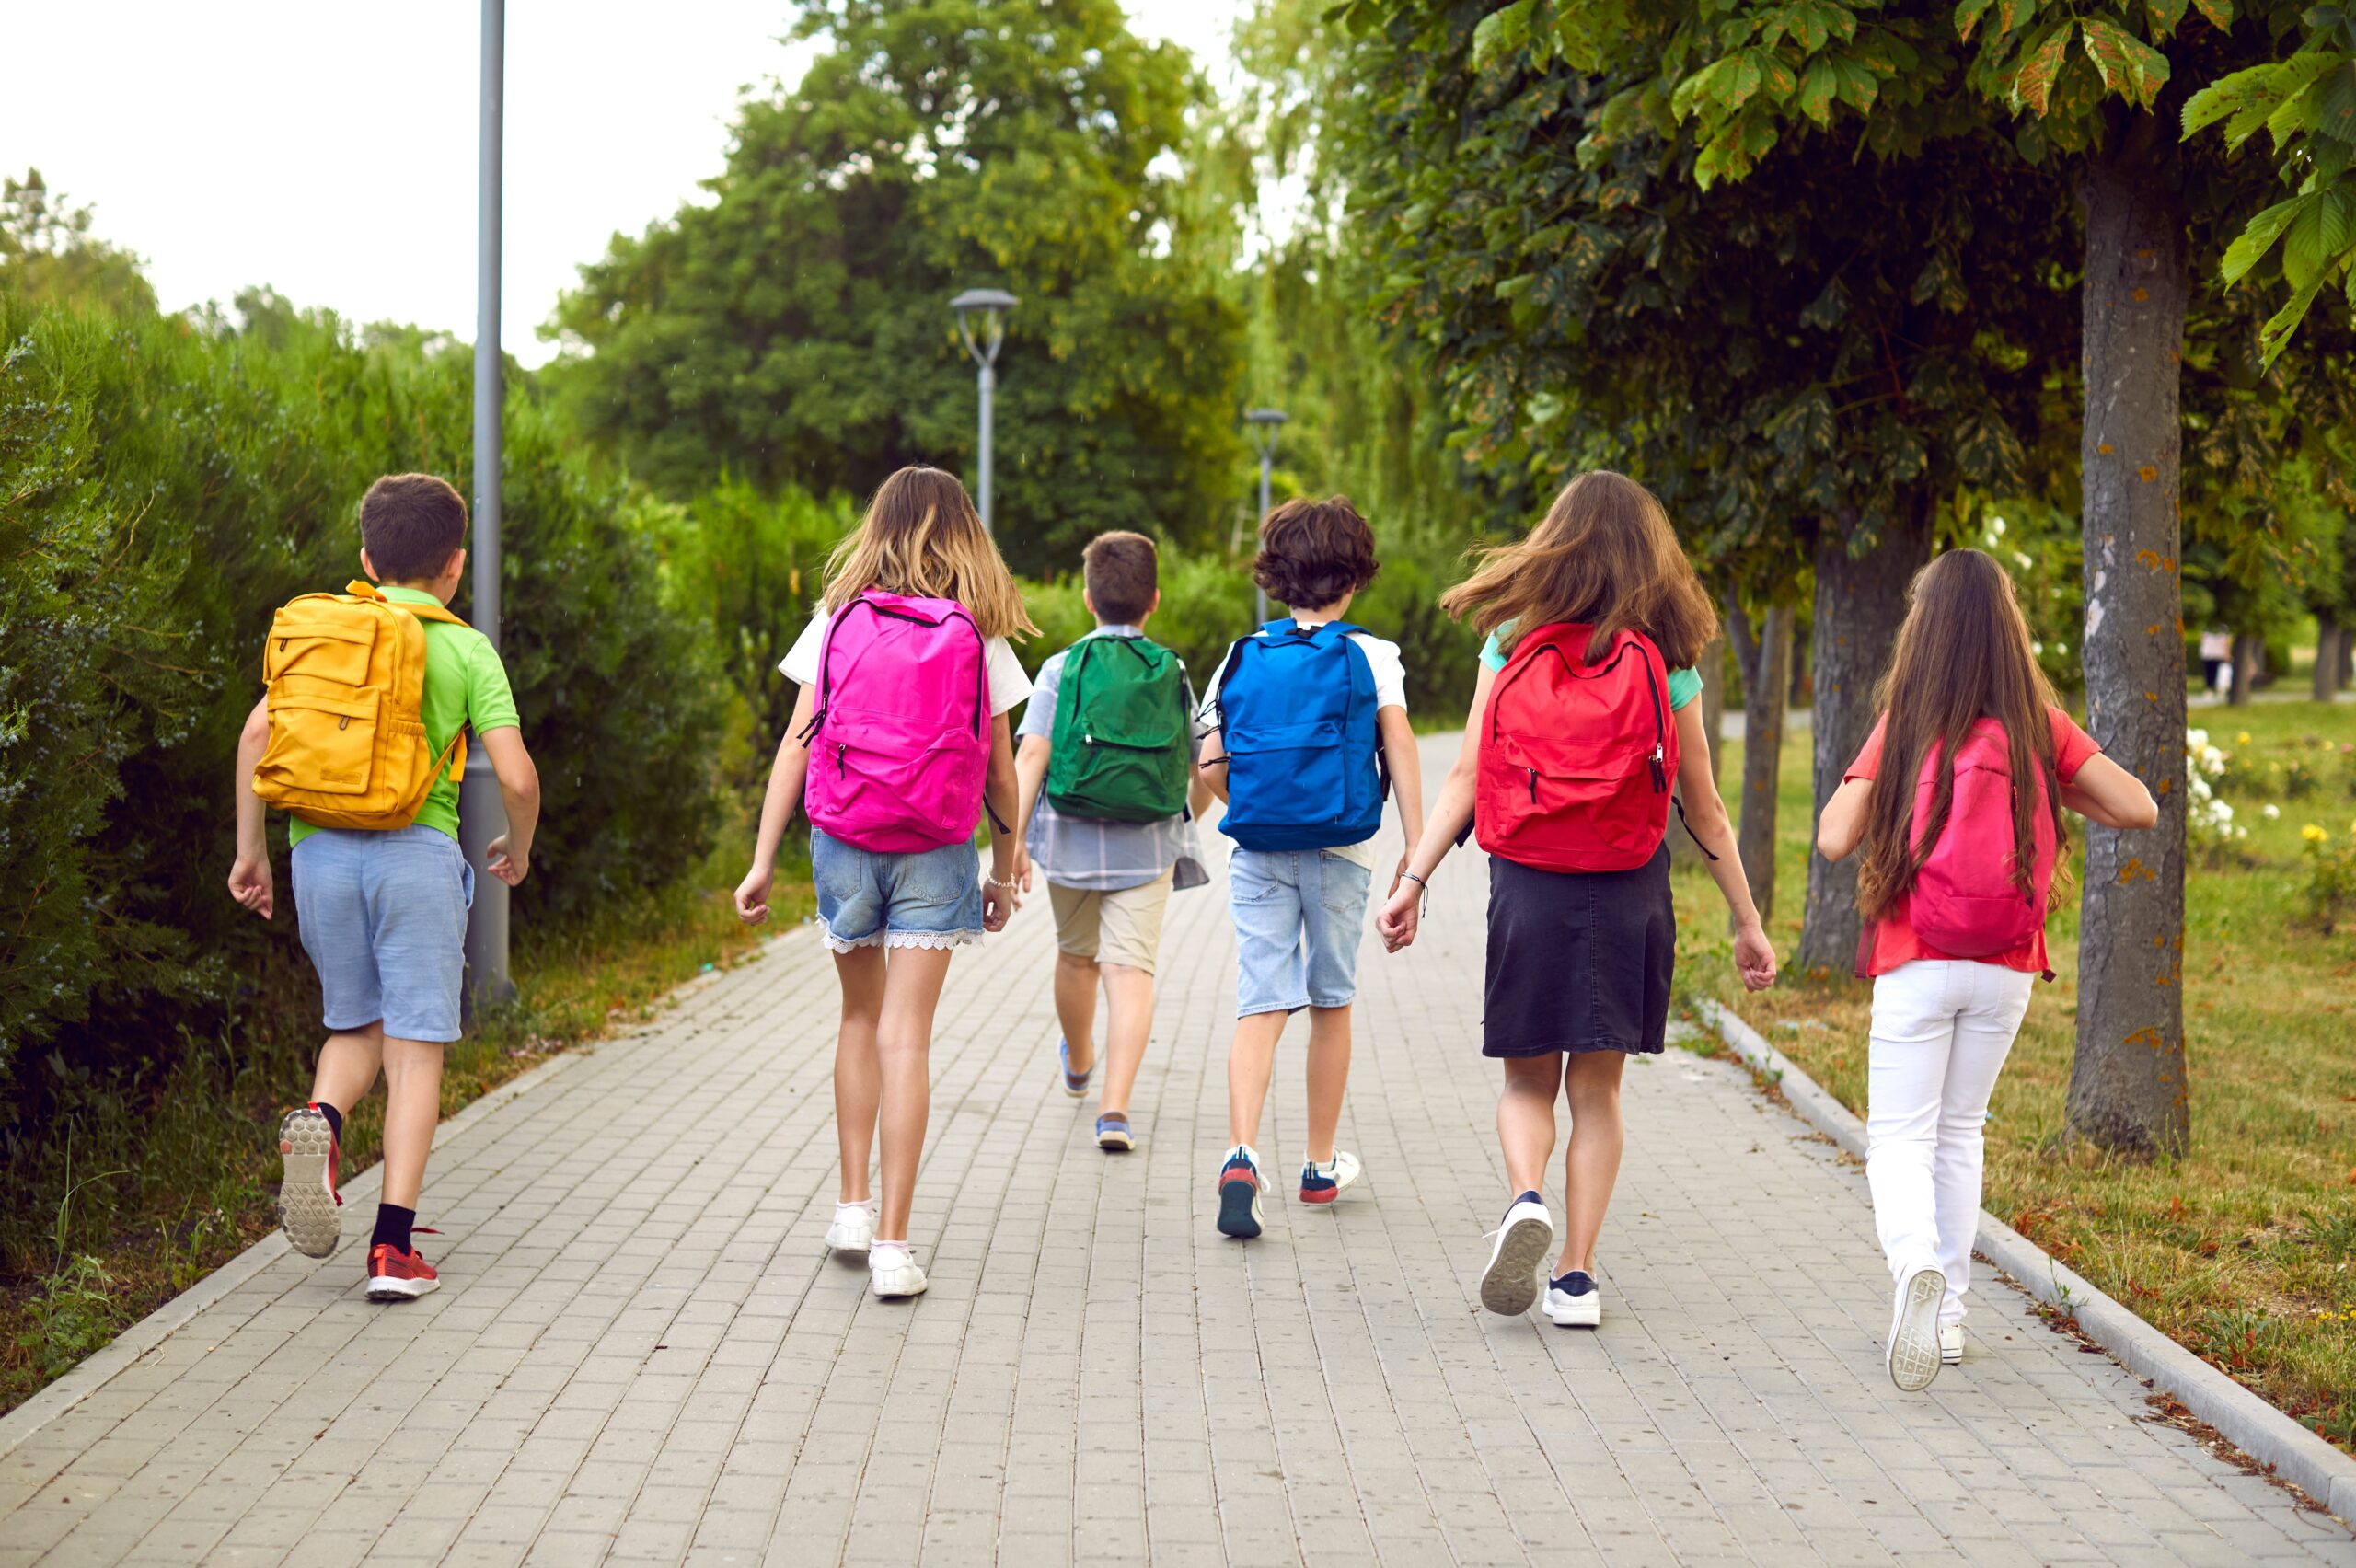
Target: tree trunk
(1766,680)
(2250,662)
(2326,674)
(2128,1089)
(1860,603)
(1682,850)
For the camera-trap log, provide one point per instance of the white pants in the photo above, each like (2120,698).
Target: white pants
(1942,1028)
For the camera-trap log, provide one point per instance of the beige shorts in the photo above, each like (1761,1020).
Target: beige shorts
(1121,926)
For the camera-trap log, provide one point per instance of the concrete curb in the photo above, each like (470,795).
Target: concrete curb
(124,1351)
(2272,1438)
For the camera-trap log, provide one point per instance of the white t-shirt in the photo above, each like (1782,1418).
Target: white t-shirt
(1389,691)
(1008,684)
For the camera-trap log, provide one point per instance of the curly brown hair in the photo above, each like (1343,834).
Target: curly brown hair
(1314,552)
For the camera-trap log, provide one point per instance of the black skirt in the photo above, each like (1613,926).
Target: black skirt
(1578,961)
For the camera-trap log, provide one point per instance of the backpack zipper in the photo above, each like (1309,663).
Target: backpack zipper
(1534,785)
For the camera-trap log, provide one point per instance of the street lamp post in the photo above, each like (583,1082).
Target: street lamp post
(1263,423)
(991,306)
(482,815)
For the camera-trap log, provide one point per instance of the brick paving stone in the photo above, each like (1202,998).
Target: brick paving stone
(642,1353)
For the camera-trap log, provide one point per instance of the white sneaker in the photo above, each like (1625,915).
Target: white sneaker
(1323,1184)
(1951,1344)
(1510,1281)
(1913,1354)
(1575,1301)
(891,1271)
(854,1227)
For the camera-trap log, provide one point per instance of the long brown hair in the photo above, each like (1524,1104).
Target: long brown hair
(921,536)
(1963,653)
(1604,555)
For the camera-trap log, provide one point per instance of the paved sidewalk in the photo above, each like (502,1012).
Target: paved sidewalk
(642,1352)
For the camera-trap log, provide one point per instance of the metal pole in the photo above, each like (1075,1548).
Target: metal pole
(989,387)
(1267,456)
(482,815)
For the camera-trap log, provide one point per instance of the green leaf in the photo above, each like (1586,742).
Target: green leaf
(1817,90)
(2033,84)
(2013,14)
(1966,16)
(1859,85)
(2128,66)
(2303,253)
(2338,116)
(2257,236)
(2219,12)
(1501,32)
(2165,15)
(2275,336)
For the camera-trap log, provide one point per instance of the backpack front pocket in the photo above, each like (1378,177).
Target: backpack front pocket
(874,785)
(320,745)
(332,651)
(1289,774)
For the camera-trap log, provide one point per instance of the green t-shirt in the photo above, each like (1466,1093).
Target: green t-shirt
(464,686)
(1684,686)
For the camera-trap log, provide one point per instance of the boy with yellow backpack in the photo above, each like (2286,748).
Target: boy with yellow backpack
(360,736)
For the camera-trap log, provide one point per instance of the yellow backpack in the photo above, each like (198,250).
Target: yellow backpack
(347,733)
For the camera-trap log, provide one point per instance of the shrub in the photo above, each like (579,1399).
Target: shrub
(2332,873)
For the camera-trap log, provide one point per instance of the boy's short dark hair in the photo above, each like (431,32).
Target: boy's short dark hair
(1313,552)
(1120,569)
(409,523)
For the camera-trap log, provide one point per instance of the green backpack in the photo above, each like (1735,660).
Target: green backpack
(1119,750)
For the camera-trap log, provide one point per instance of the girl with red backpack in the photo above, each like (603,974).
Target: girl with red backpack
(1955,872)
(898,745)
(1583,733)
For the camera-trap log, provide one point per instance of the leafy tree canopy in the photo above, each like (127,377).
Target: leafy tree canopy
(797,327)
(47,255)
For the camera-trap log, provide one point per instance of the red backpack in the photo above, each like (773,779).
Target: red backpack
(1577,759)
(1966,902)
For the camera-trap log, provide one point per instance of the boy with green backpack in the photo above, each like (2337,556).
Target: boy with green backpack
(1110,791)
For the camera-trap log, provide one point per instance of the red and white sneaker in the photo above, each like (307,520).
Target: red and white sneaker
(309,1208)
(395,1275)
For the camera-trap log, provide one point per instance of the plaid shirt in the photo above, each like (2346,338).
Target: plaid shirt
(1105,857)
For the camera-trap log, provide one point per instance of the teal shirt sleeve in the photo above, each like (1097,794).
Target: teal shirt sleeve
(1684,686)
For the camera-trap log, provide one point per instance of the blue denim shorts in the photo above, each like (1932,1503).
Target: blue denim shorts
(384,917)
(931,898)
(1299,916)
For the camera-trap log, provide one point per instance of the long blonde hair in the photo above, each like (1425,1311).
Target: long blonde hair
(921,536)
(1605,556)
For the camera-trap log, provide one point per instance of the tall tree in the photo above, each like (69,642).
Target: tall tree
(796,327)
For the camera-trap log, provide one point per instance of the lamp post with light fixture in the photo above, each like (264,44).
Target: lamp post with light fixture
(990,307)
(1263,424)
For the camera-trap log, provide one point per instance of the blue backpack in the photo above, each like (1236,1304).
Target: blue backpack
(1305,768)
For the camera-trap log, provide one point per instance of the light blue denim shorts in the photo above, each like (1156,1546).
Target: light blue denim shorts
(1299,916)
(384,917)
(930,898)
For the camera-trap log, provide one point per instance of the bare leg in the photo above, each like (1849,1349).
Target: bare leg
(1128,1021)
(1526,1119)
(1250,1061)
(1076,1008)
(859,1081)
(348,1064)
(1329,1074)
(412,1109)
(903,1050)
(1592,1085)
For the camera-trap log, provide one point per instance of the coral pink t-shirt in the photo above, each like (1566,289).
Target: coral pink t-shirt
(1892,940)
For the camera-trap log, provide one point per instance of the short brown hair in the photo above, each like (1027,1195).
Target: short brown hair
(1313,552)
(1119,569)
(409,523)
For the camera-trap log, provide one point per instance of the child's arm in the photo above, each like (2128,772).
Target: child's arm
(1000,898)
(1031,761)
(250,882)
(1706,814)
(1211,771)
(2104,792)
(509,856)
(1451,814)
(1842,826)
(785,776)
(1405,761)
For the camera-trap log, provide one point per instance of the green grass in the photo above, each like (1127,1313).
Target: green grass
(2245,1249)
(184,1182)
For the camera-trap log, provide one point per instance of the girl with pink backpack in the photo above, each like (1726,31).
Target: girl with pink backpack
(1956,874)
(898,746)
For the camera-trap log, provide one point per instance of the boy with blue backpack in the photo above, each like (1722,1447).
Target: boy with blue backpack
(1307,731)
(1106,778)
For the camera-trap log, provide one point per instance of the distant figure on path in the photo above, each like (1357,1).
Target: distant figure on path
(1958,866)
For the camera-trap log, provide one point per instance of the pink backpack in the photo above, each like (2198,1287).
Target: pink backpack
(1966,902)
(901,742)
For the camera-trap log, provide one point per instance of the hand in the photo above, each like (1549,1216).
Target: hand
(250,883)
(1401,916)
(1406,860)
(1754,955)
(1001,897)
(753,895)
(1022,867)
(507,864)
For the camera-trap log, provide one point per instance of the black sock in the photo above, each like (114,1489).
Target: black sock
(334,1116)
(393,1224)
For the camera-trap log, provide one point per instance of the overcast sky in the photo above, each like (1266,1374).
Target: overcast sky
(328,149)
